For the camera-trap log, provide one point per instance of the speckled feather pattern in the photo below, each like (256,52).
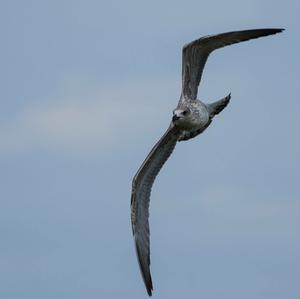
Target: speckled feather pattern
(190,118)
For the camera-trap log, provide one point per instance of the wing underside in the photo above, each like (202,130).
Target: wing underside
(195,54)
(140,198)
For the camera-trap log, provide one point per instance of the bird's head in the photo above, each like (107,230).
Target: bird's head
(181,117)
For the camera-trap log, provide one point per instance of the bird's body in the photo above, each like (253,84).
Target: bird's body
(190,118)
(198,116)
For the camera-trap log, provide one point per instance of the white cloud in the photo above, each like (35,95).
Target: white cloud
(96,120)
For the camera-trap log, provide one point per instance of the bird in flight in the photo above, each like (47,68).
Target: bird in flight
(190,118)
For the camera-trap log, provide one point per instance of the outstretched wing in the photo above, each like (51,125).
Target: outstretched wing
(195,54)
(140,198)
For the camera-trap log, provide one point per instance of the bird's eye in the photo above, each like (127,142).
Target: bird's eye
(184,112)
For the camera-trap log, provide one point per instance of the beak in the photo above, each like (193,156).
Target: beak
(175,117)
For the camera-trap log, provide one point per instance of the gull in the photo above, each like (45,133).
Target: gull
(190,118)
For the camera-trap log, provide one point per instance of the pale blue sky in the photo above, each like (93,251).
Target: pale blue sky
(87,89)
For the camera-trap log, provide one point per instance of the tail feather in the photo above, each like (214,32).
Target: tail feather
(218,106)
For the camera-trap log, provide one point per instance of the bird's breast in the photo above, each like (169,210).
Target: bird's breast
(199,118)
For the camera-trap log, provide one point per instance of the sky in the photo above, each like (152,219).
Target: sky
(87,88)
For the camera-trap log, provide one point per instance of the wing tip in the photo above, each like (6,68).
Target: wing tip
(149,289)
(275,30)
(145,270)
(265,31)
